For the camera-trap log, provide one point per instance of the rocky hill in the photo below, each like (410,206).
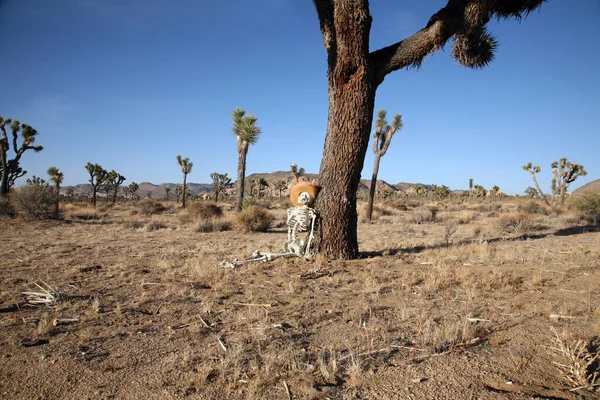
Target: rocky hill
(593,186)
(146,189)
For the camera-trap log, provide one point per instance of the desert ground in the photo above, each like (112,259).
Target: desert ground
(449,300)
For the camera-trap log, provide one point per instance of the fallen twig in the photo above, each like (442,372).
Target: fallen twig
(222,344)
(64,321)
(48,296)
(287,390)
(253,305)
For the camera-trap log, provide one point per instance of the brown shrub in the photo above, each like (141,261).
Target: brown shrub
(255,219)
(517,222)
(35,201)
(200,210)
(213,225)
(423,215)
(150,207)
(533,207)
(5,206)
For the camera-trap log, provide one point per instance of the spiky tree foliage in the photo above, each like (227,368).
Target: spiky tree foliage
(260,183)
(114,179)
(186,167)
(354,72)
(221,182)
(133,188)
(178,190)
(494,192)
(382,137)
(565,173)
(98,176)
(535,170)
(57,178)
(9,168)
(441,192)
(480,191)
(244,127)
(470,188)
(167,191)
(297,173)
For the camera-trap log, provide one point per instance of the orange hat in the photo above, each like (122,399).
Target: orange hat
(300,187)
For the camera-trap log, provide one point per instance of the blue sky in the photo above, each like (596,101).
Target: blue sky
(130,84)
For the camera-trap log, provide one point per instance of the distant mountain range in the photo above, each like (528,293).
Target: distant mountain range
(158,191)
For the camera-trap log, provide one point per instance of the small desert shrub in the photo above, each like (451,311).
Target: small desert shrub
(150,207)
(399,205)
(200,210)
(131,224)
(464,217)
(255,219)
(533,207)
(213,225)
(488,208)
(588,204)
(36,199)
(517,222)
(423,215)
(84,214)
(155,225)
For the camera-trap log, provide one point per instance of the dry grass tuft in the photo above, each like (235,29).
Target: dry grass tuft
(213,225)
(577,364)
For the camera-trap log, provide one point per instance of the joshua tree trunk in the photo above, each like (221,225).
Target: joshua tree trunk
(94,192)
(540,190)
(4,179)
(184,189)
(351,103)
(57,191)
(242,147)
(373,184)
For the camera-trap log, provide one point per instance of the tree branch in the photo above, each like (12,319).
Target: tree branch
(458,17)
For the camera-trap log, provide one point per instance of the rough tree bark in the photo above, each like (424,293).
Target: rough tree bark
(242,148)
(353,75)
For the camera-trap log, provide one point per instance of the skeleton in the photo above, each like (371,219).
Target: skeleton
(299,220)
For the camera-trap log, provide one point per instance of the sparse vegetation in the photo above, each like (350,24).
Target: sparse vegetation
(588,204)
(35,200)
(255,219)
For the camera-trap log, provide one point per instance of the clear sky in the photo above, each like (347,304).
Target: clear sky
(129,84)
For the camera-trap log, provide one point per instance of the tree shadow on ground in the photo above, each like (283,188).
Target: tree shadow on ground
(573,230)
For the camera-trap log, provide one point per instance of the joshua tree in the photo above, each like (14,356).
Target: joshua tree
(382,137)
(133,187)
(441,191)
(470,188)
(565,172)
(297,172)
(480,191)
(494,192)
(534,170)
(186,168)
(98,176)
(167,190)
(354,72)
(244,127)
(107,187)
(221,182)
(260,182)
(126,192)
(531,192)
(177,192)
(280,186)
(10,169)
(56,177)
(115,180)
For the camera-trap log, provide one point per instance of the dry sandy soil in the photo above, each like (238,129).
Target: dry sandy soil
(466,306)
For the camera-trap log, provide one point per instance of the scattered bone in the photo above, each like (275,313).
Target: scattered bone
(64,321)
